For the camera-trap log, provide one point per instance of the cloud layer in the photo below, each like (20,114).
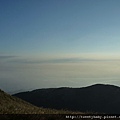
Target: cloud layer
(22,73)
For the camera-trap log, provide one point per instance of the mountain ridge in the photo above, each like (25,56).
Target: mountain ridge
(101,98)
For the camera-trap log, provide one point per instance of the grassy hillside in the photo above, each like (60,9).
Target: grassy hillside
(14,105)
(13,108)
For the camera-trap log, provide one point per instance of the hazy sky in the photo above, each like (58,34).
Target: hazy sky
(53,43)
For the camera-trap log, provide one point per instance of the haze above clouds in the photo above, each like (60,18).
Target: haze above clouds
(59,43)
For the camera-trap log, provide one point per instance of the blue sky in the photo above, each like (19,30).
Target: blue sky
(59,26)
(61,31)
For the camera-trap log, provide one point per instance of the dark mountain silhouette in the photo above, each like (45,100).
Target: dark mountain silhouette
(96,98)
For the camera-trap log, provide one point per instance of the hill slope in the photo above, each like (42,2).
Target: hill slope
(13,105)
(96,98)
(13,108)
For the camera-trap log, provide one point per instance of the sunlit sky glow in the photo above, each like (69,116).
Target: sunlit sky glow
(54,43)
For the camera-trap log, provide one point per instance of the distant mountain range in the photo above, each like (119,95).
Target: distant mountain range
(97,98)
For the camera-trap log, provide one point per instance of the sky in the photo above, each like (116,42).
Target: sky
(56,43)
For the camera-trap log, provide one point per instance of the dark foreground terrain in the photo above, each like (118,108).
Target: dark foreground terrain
(97,98)
(13,108)
(14,105)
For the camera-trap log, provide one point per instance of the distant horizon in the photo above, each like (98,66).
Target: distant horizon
(34,89)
